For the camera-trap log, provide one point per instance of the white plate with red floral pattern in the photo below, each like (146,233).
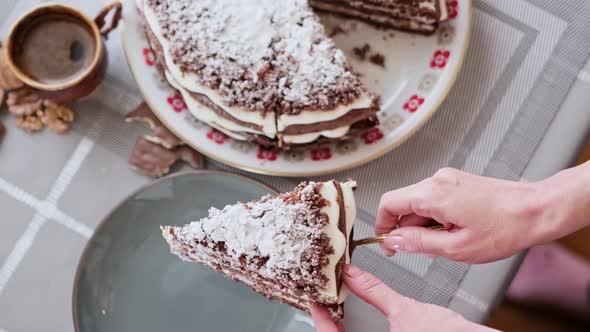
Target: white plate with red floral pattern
(418,73)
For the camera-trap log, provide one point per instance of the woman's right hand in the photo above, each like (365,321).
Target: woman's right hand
(486,219)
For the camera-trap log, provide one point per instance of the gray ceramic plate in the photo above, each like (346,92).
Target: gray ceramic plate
(127,280)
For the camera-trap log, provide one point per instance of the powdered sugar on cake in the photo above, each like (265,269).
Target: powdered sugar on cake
(285,231)
(261,229)
(262,55)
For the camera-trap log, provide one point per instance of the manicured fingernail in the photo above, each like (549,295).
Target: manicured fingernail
(351,270)
(395,243)
(386,250)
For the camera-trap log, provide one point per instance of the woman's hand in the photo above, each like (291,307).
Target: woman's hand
(486,219)
(403,314)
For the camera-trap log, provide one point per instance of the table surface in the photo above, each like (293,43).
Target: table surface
(518,111)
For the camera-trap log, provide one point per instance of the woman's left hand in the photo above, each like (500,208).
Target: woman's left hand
(404,314)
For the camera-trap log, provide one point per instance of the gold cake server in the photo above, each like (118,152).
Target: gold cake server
(380,238)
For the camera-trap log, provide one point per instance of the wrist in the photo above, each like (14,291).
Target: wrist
(543,212)
(564,200)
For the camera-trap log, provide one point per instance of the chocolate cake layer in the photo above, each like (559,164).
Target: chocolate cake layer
(203,99)
(349,118)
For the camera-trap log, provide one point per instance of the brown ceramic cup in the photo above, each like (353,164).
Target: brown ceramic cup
(90,76)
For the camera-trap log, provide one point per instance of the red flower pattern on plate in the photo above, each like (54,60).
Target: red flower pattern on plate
(440,58)
(149,57)
(216,136)
(267,154)
(372,135)
(413,103)
(453,8)
(177,103)
(321,154)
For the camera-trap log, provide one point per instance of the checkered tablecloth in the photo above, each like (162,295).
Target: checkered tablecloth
(524,58)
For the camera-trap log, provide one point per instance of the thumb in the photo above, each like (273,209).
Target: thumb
(421,240)
(372,290)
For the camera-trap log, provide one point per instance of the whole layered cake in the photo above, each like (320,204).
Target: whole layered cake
(263,71)
(289,247)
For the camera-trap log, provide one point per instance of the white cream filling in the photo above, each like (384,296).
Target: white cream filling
(339,241)
(426,4)
(329,192)
(350,210)
(444,14)
(207,115)
(311,117)
(190,82)
(310,137)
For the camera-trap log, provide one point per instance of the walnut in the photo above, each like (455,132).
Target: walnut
(57,117)
(28,109)
(162,135)
(34,113)
(154,160)
(30,122)
(24,102)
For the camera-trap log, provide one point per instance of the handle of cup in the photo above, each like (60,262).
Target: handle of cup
(100,19)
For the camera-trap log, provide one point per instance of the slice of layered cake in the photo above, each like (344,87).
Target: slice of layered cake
(289,247)
(262,70)
(421,16)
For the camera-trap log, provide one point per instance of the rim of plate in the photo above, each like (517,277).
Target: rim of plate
(354,164)
(124,201)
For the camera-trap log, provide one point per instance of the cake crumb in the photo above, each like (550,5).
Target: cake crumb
(343,28)
(361,52)
(337,31)
(377,59)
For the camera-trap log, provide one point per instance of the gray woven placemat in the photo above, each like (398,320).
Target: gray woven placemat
(523,59)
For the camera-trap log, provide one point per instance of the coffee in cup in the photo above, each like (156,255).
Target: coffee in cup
(59,52)
(55,49)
